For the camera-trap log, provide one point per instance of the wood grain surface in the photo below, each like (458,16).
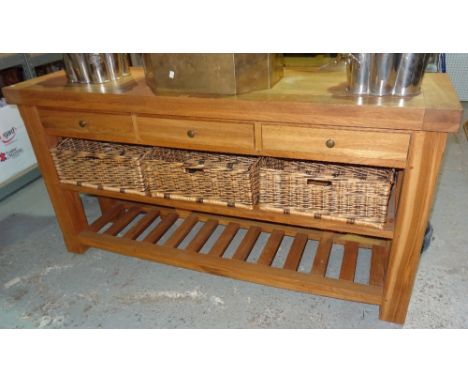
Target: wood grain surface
(300,97)
(294,119)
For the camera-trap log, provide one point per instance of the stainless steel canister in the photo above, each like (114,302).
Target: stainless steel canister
(112,65)
(384,67)
(358,71)
(410,74)
(76,67)
(95,68)
(124,69)
(69,70)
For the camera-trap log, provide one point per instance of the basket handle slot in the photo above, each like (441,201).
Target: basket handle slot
(194,170)
(107,147)
(88,156)
(316,182)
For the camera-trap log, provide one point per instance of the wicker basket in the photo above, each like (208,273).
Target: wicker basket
(351,194)
(101,165)
(228,180)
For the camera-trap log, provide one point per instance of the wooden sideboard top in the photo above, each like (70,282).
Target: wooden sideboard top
(300,97)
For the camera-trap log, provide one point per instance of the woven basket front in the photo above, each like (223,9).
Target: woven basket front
(228,180)
(108,166)
(351,194)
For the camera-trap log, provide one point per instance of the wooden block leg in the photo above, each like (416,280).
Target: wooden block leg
(419,183)
(67,204)
(72,220)
(105,204)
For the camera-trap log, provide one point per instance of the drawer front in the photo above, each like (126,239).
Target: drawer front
(193,134)
(336,145)
(107,127)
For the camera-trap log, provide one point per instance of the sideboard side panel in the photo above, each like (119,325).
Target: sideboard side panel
(67,204)
(420,180)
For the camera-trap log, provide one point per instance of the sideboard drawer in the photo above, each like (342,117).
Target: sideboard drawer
(77,124)
(336,145)
(196,134)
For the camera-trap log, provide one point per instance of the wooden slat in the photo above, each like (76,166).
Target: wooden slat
(289,230)
(296,251)
(224,240)
(182,231)
(323,255)
(348,265)
(247,243)
(377,269)
(280,278)
(106,218)
(144,223)
(123,221)
(202,236)
(272,245)
(161,228)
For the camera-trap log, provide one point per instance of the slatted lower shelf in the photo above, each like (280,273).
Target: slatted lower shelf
(244,249)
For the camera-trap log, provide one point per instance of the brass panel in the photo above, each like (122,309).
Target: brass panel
(223,73)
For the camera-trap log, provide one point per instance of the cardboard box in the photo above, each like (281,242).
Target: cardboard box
(16,152)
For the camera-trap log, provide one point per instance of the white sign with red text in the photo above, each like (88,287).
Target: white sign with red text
(16,153)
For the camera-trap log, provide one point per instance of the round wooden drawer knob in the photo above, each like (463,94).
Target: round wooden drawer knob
(330,143)
(191,133)
(82,123)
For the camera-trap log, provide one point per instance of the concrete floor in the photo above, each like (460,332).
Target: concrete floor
(44,286)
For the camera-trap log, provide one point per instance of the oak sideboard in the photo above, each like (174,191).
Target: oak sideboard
(295,119)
